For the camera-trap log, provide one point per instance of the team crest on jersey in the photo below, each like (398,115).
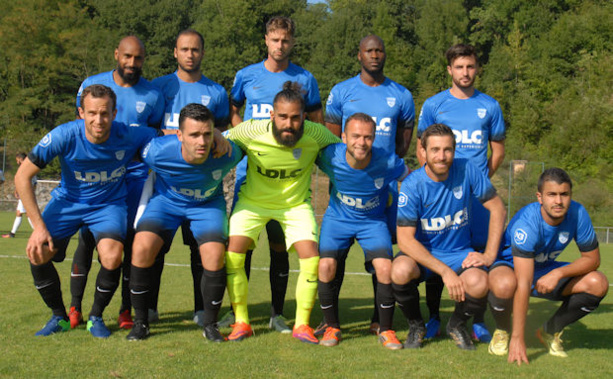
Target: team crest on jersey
(391,101)
(205,100)
(330,99)
(520,237)
(481,112)
(120,154)
(563,237)
(216,174)
(140,106)
(46,141)
(297,153)
(402,199)
(457,192)
(379,182)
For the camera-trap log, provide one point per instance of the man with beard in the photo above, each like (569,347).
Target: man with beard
(476,120)
(185,86)
(281,152)
(255,86)
(391,107)
(139,103)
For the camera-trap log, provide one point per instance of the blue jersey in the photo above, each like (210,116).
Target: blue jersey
(529,236)
(139,105)
(474,121)
(178,93)
(440,210)
(185,183)
(389,104)
(91,173)
(359,194)
(258,87)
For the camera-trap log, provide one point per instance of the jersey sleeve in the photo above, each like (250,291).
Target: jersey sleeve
(480,185)
(222,113)
(497,127)
(334,107)
(324,160)
(155,118)
(321,134)
(237,93)
(408,204)
(407,116)
(313,99)
(586,237)
(396,167)
(524,239)
(426,117)
(51,145)
(243,133)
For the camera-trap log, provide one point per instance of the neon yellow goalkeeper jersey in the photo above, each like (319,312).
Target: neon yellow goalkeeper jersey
(278,176)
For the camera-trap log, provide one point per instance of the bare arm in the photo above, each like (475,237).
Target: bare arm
(235,117)
(498,216)
(495,160)
(408,244)
(336,129)
(403,141)
(316,116)
(524,271)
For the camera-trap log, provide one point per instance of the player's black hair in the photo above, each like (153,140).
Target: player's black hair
(460,50)
(291,93)
(554,174)
(21,155)
(280,22)
(436,130)
(97,91)
(196,112)
(193,32)
(363,117)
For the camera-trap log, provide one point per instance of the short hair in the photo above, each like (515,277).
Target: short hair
(196,112)
(280,22)
(291,93)
(192,32)
(436,130)
(363,117)
(21,155)
(460,50)
(98,91)
(554,174)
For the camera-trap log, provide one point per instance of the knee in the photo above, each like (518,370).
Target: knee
(475,281)
(502,282)
(383,271)
(597,283)
(327,269)
(111,261)
(403,271)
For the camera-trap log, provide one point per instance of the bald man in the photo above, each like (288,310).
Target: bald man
(139,103)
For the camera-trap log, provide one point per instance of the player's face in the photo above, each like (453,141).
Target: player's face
(555,201)
(287,122)
(439,154)
(463,71)
(189,53)
(372,55)
(130,57)
(359,137)
(279,43)
(196,140)
(98,114)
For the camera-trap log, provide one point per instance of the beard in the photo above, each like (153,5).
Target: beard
(289,140)
(131,78)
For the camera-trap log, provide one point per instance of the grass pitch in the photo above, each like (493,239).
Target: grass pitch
(176,347)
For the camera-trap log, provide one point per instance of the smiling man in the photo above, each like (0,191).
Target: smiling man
(94,153)
(187,189)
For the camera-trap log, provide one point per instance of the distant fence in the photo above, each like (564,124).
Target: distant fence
(604,233)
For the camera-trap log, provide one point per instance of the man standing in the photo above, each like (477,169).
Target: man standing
(535,237)
(476,120)
(93,153)
(281,153)
(434,237)
(391,107)
(185,86)
(359,176)
(139,103)
(20,157)
(255,86)
(187,188)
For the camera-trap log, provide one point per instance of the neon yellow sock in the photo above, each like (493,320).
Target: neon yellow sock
(306,290)
(238,286)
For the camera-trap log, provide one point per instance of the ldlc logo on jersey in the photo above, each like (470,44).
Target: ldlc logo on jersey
(457,192)
(520,237)
(140,106)
(171,120)
(462,137)
(391,101)
(261,111)
(100,177)
(297,153)
(205,99)
(481,112)
(437,224)
(278,174)
(379,183)
(46,141)
(120,154)
(385,125)
(216,174)
(543,257)
(197,194)
(358,203)
(563,237)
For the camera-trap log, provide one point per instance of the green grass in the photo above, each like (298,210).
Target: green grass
(177,349)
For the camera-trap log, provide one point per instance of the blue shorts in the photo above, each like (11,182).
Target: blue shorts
(64,218)
(337,236)
(208,221)
(453,260)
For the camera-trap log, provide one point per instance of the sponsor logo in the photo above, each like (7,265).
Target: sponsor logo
(140,106)
(261,110)
(520,237)
(326,306)
(120,154)
(216,302)
(73,275)
(171,120)
(102,290)
(297,153)
(46,141)
(498,309)
(311,281)
(586,309)
(259,153)
(384,125)
(391,101)
(43,286)
(481,112)
(205,99)
(278,174)
(379,182)
(216,174)
(563,237)
(457,192)
(198,194)
(358,203)
(402,199)
(330,99)
(138,292)
(436,224)
(100,177)
(461,136)
(386,306)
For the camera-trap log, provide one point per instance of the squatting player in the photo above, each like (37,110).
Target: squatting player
(476,120)
(255,87)
(93,153)
(434,235)
(139,103)
(187,188)
(281,153)
(534,239)
(359,176)
(391,107)
(185,86)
